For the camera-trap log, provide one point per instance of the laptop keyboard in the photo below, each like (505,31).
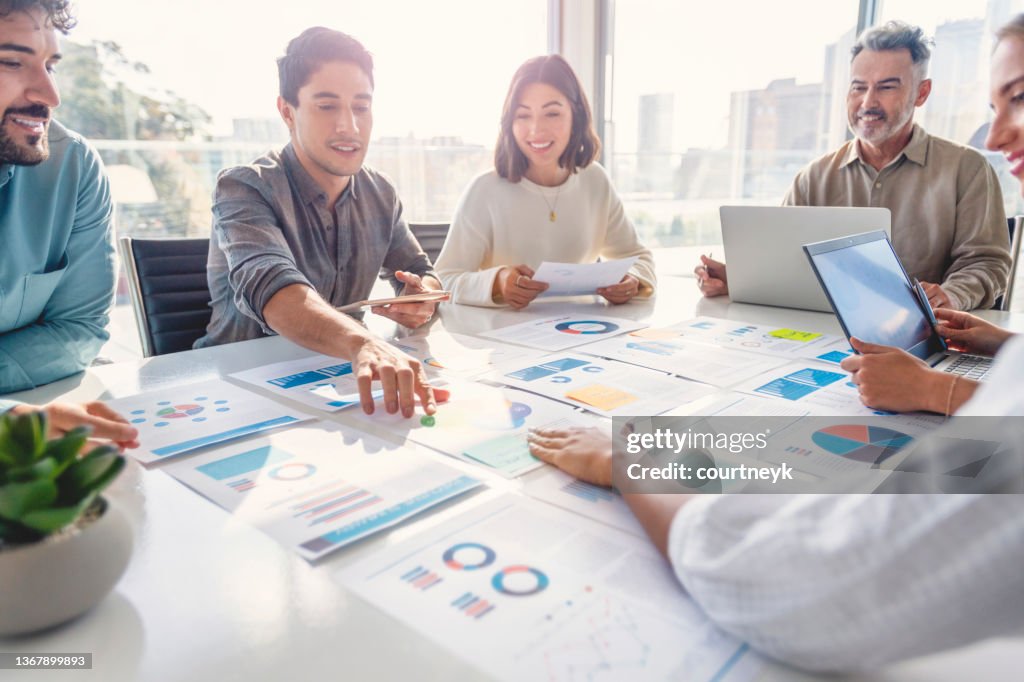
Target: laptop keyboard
(970,366)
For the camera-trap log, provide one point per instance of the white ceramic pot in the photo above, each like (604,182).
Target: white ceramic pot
(51,581)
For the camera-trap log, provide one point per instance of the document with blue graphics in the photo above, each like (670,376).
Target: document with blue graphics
(177,420)
(527,591)
(319,381)
(480,424)
(318,488)
(563,331)
(605,387)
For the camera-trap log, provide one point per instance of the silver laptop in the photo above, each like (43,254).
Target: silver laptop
(763,249)
(876,301)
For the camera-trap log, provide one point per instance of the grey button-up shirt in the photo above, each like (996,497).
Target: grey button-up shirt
(948,223)
(272,227)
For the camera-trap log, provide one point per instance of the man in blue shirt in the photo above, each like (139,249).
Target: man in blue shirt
(57,263)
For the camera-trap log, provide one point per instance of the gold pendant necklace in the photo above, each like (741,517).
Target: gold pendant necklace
(552,215)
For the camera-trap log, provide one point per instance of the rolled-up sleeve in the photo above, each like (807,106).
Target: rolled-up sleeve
(258,258)
(404,252)
(846,582)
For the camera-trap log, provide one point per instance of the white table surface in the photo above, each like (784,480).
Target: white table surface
(207,598)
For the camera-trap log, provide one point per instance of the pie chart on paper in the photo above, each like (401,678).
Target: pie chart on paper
(586,327)
(860,442)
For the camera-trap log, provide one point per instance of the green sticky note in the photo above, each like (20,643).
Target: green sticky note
(794,335)
(508,454)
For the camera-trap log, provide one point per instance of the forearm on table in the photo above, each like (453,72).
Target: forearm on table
(41,353)
(299,314)
(655,513)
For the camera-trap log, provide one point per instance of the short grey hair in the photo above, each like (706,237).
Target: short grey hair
(897,35)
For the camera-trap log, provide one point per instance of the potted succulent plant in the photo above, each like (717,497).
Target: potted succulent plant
(62,546)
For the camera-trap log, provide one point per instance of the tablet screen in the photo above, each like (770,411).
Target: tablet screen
(872,296)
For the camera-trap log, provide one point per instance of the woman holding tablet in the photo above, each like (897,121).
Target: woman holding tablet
(547,199)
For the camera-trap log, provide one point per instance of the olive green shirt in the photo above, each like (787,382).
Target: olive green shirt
(948,221)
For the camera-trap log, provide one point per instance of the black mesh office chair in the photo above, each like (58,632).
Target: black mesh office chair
(431,237)
(169,292)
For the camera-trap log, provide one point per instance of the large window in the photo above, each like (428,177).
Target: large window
(958,106)
(720,106)
(172,91)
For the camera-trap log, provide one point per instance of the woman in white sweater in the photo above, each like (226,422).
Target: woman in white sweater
(545,200)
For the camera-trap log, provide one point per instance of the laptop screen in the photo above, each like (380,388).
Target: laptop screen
(871,294)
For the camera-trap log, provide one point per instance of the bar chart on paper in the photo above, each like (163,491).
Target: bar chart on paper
(319,381)
(316,489)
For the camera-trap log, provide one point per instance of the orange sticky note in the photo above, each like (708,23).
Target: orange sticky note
(602,397)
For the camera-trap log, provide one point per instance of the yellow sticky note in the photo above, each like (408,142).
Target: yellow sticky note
(602,397)
(794,335)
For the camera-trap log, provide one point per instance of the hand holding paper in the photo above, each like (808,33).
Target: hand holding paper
(575,279)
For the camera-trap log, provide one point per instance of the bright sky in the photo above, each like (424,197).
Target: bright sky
(443,66)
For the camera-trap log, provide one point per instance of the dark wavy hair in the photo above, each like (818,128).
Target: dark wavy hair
(584,145)
(58,12)
(313,48)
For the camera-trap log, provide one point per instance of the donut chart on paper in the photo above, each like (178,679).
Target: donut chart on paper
(468,556)
(513,574)
(586,327)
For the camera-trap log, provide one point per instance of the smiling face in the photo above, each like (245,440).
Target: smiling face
(542,127)
(28,54)
(331,124)
(883,94)
(1006,133)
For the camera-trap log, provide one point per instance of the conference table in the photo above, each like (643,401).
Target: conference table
(206,597)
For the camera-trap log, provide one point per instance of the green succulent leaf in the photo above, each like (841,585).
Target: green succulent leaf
(64,450)
(90,473)
(19,499)
(52,520)
(23,437)
(43,469)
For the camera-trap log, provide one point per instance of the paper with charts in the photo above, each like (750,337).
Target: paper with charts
(817,388)
(575,279)
(177,420)
(605,387)
(319,381)
(315,489)
(811,444)
(594,502)
(443,353)
(564,331)
(709,364)
(527,591)
(756,338)
(481,424)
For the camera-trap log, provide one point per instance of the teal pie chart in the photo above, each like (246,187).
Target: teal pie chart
(861,442)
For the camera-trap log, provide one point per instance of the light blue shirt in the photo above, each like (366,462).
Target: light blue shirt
(56,263)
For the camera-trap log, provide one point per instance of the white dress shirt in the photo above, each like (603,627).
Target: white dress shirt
(844,582)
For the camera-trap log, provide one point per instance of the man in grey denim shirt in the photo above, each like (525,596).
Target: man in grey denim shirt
(308,228)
